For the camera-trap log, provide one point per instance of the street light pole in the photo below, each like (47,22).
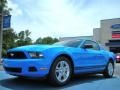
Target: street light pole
(1,31)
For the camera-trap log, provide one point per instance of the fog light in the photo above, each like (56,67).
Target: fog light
(43,68)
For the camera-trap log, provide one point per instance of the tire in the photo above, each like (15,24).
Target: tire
(60,72)
(109,71)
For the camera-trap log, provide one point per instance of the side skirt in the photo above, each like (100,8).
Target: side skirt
(89,69)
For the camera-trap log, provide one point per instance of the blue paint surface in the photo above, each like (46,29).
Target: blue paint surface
(84,60)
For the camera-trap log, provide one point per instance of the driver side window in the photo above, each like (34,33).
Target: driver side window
(94,45)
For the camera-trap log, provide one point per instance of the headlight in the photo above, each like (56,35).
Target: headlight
(36,55)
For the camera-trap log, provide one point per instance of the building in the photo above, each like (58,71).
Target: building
(108,34)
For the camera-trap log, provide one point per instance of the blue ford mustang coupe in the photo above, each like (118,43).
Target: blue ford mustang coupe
(58,62)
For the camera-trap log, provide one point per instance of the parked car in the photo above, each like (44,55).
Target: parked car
(118,57)
(58,62)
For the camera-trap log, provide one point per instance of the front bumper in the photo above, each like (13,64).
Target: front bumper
(26,67)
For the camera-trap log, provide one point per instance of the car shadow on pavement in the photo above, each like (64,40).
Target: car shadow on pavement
(15,83)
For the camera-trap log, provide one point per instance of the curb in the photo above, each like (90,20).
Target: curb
(1,67)
(0,63)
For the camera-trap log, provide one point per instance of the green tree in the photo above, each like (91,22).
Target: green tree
(38,41)
(3,4)
(46,40)
(4,10)
(23,38)
(4,7)
(9,38)
(55,40)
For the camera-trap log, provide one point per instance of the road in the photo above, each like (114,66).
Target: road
(82,82)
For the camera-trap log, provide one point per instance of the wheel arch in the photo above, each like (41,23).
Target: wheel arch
(111,60)
(67,56)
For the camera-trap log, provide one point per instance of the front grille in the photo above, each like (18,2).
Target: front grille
(10,69)
(16,55)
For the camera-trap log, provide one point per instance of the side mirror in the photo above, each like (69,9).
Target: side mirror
(87,46)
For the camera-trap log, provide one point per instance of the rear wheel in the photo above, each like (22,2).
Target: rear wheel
(61,71)
(109,71)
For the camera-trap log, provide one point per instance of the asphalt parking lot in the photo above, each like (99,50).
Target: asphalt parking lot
(81,82)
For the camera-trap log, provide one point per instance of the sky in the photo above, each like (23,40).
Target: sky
(61,18)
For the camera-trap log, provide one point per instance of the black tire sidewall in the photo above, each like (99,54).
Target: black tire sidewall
(106,72)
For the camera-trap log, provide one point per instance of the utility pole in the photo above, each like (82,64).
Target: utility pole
(1,29)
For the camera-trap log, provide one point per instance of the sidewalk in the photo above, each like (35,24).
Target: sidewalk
(95,82)
(1,67)
(0,61)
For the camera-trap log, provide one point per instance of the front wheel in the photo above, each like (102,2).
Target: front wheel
(109,71)
(60,72)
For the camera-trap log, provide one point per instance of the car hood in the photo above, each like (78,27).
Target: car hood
(34,48)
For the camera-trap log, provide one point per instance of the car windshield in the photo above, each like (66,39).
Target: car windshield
(69,43)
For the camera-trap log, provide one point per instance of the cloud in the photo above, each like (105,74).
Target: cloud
(16,11)
(60,18)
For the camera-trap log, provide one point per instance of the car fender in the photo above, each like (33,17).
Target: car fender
(54,53)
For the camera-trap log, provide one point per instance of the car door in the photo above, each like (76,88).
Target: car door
(91,57)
